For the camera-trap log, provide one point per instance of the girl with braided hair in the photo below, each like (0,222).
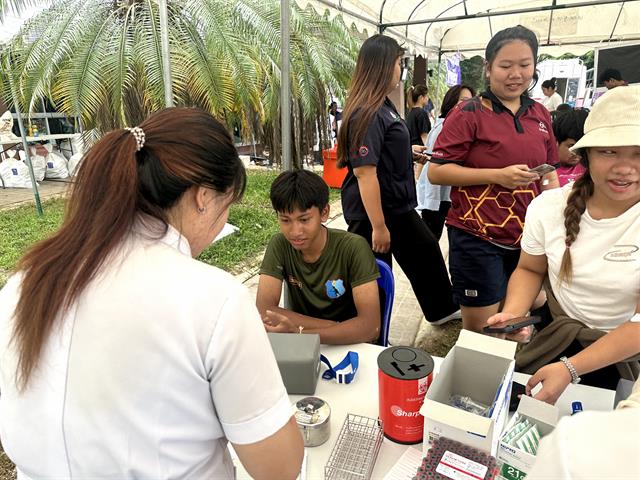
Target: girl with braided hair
(583,242)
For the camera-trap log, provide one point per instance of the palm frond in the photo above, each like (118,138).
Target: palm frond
(102,59)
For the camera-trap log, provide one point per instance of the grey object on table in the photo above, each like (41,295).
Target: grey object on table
(298,357)
(623,391)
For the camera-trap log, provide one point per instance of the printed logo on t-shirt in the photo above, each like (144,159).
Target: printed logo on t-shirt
(294,281)
(622,253)
(543,128)
(335,288)
(363,151)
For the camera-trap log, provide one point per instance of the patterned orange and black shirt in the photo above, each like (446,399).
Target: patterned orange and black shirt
(477,135)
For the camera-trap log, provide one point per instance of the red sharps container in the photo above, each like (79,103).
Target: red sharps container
(404,376)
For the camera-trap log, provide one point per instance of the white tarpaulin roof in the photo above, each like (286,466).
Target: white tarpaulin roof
(562,26)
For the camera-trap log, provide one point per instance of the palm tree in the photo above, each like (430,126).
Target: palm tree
(101,60)
(15,5)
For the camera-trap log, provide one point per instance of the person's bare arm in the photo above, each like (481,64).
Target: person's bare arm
(364,327)
(269,293)
(370,193)
(525,283)
(615,346)
(549,181)
(268,300)
(524,286)
(458,175)
(276,457)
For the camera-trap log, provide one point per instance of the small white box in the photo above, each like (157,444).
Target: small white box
(516,463)
(480,367)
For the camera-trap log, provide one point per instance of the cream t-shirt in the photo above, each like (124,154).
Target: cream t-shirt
(160,361)
(552,102)
(605,256)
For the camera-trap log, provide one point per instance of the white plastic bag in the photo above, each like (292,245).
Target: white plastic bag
(38,162)
(14,172)
(74,164)
(65,149)
(56,164)
(6,125)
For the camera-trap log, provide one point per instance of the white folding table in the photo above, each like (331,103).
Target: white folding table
(360,397)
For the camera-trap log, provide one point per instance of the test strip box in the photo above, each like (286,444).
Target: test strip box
(480,367)
(516,463)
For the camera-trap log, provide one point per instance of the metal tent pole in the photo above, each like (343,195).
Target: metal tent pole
(285,87)
(497,13)
(166,59)
(23,136)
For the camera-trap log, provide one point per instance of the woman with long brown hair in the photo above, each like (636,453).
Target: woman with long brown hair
(121,355)
(379,191)
(583,242)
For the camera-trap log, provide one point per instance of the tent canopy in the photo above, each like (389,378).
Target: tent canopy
(447,26)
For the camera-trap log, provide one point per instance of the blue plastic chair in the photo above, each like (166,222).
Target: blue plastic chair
(387,284)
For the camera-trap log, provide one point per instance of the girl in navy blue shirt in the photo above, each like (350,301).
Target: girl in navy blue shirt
(379,193)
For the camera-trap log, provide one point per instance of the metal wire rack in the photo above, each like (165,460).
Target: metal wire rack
(356,450)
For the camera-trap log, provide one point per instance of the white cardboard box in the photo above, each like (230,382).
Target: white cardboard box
(480,367)
(517,463)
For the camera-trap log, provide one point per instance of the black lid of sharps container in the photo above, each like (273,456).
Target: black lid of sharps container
(405,363)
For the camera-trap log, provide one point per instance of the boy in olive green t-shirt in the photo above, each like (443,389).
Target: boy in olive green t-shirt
(331,274)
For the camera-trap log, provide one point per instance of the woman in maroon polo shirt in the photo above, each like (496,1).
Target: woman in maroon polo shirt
(486,150)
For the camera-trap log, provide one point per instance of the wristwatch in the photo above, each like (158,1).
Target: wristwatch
(572,370)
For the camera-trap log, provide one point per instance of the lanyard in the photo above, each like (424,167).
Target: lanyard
(350,360)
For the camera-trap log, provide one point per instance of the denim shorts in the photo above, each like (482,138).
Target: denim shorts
(479,269)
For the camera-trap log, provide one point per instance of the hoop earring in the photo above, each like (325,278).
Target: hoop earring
(202,209)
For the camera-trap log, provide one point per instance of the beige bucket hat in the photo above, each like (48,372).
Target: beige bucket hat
(614,120)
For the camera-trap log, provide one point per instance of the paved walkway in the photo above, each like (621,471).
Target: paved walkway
(15,197)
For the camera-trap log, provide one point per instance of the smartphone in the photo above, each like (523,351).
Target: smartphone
(513,324)
(517,389)
(543,169)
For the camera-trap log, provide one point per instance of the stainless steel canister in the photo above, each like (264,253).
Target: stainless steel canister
(313,415)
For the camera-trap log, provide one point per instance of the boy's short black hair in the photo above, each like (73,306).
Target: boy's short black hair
(298,190)
(608,74)
(570,124)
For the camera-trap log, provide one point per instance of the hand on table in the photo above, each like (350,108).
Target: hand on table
(554,377)
(516,176)
(278,323)
(522,335)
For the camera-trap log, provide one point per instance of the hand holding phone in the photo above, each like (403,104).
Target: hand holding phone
(543,169)
(512,325)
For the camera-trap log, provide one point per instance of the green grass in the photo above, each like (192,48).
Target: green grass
(21,227)
(256,220)
(257,223)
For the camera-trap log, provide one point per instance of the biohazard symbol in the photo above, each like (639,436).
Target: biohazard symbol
(495,210)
